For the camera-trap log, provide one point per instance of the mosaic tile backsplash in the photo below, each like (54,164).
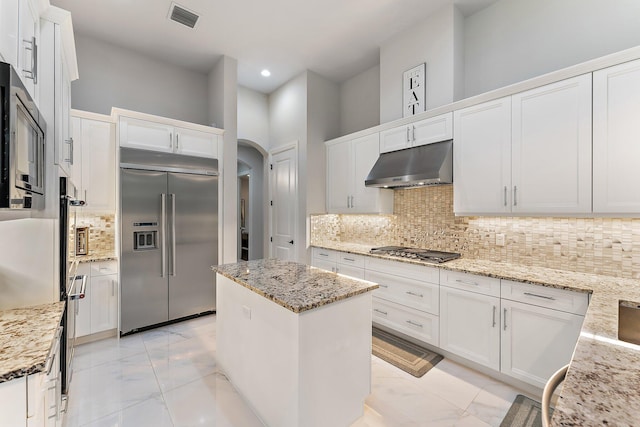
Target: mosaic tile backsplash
(423,217)
(102,233)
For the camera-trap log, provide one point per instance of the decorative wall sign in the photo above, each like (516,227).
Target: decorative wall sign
(413,95)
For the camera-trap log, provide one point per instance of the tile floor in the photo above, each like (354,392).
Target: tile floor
(168,377)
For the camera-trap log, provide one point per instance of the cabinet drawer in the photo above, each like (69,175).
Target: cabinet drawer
(403,269)
(412,293)
(351,259)
(324,254)
(470,282)
(543,296)
(416,324)
(351,271)
(102,268)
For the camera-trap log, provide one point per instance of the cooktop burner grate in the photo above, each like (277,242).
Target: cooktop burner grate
(415,253)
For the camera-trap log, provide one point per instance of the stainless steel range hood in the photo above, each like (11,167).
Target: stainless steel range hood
(429,164)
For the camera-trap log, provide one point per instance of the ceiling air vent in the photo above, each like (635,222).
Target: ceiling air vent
(182,16)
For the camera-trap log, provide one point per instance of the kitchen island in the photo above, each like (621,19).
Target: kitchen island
(295,341)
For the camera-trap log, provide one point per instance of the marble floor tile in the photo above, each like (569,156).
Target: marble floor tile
(168,377)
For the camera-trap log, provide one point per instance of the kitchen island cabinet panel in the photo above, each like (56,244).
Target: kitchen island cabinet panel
(616,132)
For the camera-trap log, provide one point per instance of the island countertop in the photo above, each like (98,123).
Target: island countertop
(296,287)
(26,337)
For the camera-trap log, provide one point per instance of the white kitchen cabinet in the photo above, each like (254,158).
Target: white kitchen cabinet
(14,403)
(536,341)
(95,161)
(348,164)
(482,158)
(75,155)
(414,323)
(427,131)
(551,148)
(28,40)
(169,138)
(347,264)
(98,311)
(616,131)
(9,17)
(470,325)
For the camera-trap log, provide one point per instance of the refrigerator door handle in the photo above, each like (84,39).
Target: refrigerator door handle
(173,234)
(163,211)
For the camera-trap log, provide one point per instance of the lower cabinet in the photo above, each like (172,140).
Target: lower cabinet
(470,325)
(351,265)
(98,310)
(536,341)
(417,324)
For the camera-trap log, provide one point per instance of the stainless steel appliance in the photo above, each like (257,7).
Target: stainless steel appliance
(72,286)
(169,237)
(429,164)
(22,150)
(415,253)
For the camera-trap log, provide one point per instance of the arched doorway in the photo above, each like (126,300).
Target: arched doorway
(251,200)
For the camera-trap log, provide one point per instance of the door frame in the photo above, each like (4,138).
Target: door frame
(280,149)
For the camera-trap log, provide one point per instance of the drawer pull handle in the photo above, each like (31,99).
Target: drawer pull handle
(323,254)
(415,294)
(540,296)
(384,286)
(380,311)
(467,282)
(349,259)
(505,319)
(494,317)
(414,323)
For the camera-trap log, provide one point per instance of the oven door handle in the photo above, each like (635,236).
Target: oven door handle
(83,287)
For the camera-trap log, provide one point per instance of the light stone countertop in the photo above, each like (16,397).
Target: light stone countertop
(602,386)
(296,287)
(26,337)
(96,257)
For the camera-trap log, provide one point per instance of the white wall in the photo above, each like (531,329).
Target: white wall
(223,111)
(256,200)
(360,101)
(288,112)
(112,76)
(431,41)
(253,116)
(513,40)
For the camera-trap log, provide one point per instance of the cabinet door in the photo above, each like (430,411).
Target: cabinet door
(616,131)
(9,31)
(28,29)
(14,403)
(83,319)
(365,153)
(434,129)
(551,143)
(64,141)
(482,158)
(339,177)
(75,165)
(104,303)
(98,164)
(195,143)
(395,139)
(146,135)
(536,341)
(469,326)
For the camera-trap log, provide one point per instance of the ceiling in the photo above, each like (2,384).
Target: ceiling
(334,38)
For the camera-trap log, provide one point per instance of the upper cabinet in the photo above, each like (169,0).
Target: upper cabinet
(616,135)
(164,135)
(427,131)
(28,41)
(551,148)
(348,164)
(529,153)
(9,31)
(482,158)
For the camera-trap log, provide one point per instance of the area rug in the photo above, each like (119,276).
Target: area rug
(524,412)
(403,354)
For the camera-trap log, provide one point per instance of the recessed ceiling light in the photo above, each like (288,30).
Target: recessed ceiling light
(265,73)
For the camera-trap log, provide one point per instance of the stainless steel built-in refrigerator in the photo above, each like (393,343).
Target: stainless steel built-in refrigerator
(169,237)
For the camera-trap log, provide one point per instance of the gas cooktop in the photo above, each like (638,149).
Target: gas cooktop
(415,253)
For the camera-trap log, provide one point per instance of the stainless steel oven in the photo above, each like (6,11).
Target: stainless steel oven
(22,149)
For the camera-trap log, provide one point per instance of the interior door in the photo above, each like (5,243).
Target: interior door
(144,297)
(192,207)
(284,201)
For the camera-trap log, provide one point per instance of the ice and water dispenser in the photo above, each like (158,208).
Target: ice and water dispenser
(144,238)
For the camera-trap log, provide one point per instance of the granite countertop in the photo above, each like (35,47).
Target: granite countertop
(97,256)
(26,337)
(601,387)
(297,287)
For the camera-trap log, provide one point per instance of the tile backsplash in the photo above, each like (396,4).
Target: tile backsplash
(423,217)
(102,233)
